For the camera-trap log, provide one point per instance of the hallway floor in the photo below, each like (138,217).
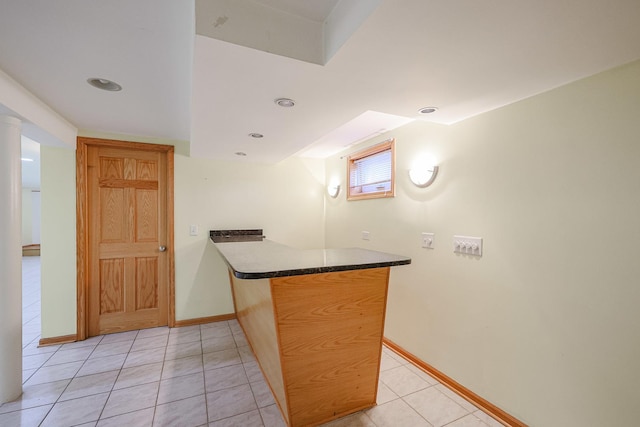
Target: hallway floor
(192,376)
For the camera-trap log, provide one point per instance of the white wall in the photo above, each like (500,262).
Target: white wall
(27,217)
(31,212)
(36,216)
(286,200)
(545,325)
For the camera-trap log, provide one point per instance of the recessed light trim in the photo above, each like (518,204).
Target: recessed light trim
(285,102)
(256,135)
(104,84)
(427,110)
(240,153)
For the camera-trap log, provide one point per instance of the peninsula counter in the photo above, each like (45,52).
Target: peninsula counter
(314,320)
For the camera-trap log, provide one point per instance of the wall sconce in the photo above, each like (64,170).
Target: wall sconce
(423,176)
(333,190)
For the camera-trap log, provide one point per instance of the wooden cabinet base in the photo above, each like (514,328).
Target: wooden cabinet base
(317,338)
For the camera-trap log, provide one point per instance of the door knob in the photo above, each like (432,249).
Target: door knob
(162,248)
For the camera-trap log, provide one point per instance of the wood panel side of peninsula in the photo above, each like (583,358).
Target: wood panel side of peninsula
(317,338)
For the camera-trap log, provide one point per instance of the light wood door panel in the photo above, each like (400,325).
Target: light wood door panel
(127,223)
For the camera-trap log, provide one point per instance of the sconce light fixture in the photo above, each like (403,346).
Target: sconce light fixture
(423,176)
(333,190)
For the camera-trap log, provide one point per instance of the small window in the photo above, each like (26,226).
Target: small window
(371,172)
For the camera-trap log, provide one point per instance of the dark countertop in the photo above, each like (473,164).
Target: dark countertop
(267,259)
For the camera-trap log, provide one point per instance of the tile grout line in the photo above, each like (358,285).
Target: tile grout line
(204,378)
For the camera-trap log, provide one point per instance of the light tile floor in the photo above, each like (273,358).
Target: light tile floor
(192,376)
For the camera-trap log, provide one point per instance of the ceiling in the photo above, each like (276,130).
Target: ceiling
(354,68)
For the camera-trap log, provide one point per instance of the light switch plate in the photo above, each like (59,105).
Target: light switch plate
(428,240)
(365,235)
(467,245)
(193,230)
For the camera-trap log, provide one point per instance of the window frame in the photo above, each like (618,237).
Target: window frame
(388,145)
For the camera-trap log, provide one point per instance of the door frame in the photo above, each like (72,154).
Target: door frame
(82,225)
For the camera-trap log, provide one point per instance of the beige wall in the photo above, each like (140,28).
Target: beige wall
(286,200)
(58,241)
(545,324)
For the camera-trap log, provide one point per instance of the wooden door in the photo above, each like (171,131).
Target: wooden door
(129,268)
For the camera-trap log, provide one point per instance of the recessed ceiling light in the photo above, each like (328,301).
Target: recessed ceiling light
(240,153)
(256,135)
(427,110)
(285,102)
(104,84)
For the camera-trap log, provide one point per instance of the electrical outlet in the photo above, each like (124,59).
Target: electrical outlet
(428,240)
(365,235)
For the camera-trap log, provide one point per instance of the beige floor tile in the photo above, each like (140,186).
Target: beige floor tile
(185,337)
(271,416)
(387,362)
(120,336)
(153,332)
(241,340)
(230,402)
(359,419)
(262,394)
(235,326)
(179,351)
(26,374)
(110,349)
(394,414)
(31,417)
(35,361)
(71,355)
(143,357)
(182,387)
(191,412)
(158,341)
(435,407)
(48,374)
(385,394)
(211,330)
(246,355)
(248,419)
(386,350)
(89,342)
(467,421)
(184,366)
(36,395)
(131,399)
(142,418)
(138,375)
(33,348)
(225,377)
(102,364)
(487,419)
(76,411)
(253,371)
(402,381)
(422,374)
(468,406)
(210,345)
(90,384)
(220,359)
